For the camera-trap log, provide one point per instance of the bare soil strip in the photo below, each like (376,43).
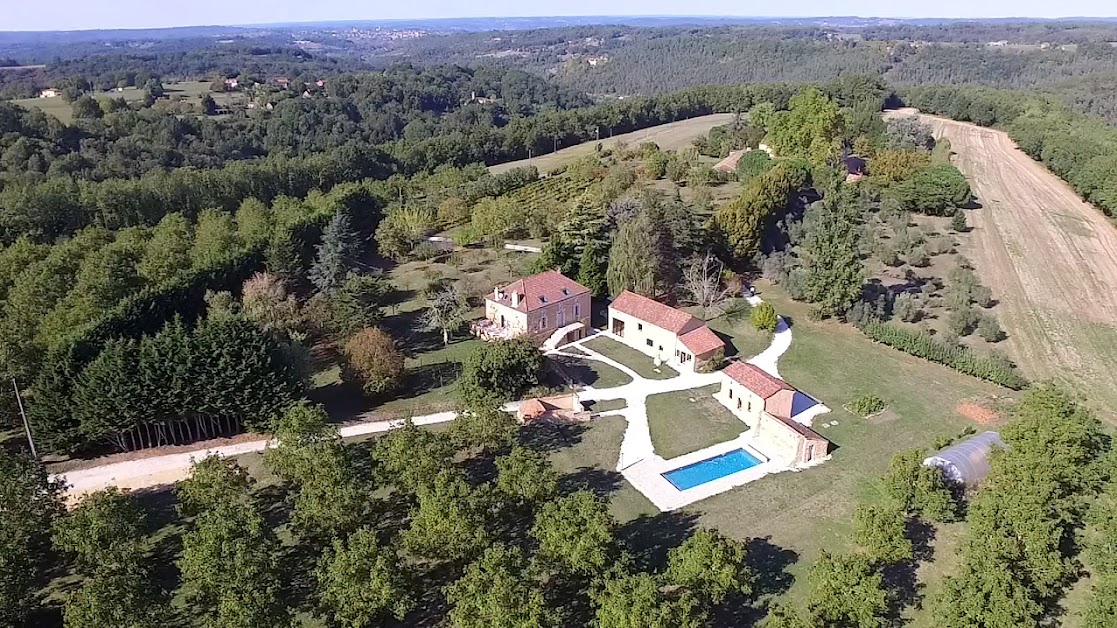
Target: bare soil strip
(671,136)
(1049,257)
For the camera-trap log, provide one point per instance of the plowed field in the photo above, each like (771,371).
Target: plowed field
(1050,259)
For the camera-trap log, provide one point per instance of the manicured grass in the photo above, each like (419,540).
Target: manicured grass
(589,372)
(607,405)
(742,339)
(586,456)
(633,359)
(812,510)
(680,425)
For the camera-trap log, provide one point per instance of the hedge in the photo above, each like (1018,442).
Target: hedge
(962,359)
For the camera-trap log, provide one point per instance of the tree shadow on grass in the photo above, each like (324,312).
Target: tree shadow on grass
(600,482)
(769,562)
(571,370)
(651,537)
(901,579)
(547,438)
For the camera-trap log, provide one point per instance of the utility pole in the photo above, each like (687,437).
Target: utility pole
(26,424)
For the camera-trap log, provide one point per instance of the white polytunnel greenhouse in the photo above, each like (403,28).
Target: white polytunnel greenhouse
(968,461)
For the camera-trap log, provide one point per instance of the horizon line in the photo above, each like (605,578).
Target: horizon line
(680,16)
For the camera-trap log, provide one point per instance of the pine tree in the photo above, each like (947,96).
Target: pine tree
(592,269)
(336,254)
(832,256)
(633,258)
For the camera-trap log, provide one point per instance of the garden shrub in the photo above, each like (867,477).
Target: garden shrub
(990,367)
(866,405)
(764,317)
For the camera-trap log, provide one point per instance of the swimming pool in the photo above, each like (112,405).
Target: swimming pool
(711,469)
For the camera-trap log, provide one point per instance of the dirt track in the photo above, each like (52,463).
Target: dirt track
(671,136)
(1050,259)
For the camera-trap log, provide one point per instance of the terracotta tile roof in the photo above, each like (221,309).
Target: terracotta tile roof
(701,341)
(652,312)
(756,379)
(729,164)
(532,409)
(537,291)
(799,428)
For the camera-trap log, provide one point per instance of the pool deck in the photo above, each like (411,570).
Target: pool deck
(642,467)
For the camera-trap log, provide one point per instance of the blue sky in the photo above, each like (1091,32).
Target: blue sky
(84,14)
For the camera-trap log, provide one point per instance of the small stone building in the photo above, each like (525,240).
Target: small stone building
(767,404)
(566,407)
(667,334)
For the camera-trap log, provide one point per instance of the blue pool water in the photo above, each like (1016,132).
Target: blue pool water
(711,469)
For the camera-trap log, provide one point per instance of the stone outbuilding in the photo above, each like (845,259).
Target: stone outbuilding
(767,404)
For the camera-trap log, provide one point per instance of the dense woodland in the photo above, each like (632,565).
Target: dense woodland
(166,277)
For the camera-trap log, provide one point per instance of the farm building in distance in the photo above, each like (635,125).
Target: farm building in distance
(968,461)
(667,334)
(767,404)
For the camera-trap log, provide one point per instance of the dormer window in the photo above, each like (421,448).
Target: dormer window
(565,292)
(542,298)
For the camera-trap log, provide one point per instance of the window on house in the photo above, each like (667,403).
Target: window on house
(750,406)
(565,292)
(730,393)
(577,310)
(738,404)
(640,327)
(650,343)
(543,322)
(561,317)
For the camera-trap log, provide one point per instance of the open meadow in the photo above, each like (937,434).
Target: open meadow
(190,92)
(672,136)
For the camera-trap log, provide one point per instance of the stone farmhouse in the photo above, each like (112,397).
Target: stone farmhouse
(537,307)
(667,334)
(767,404)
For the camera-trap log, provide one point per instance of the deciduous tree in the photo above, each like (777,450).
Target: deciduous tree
(525,475)
(373,361)
(499,371)
(575,534)
(230,569)
(448,523)
(497,591)
(447,309)
(361,582)
(638,601)
(710,567)
(30,502)
(846,591)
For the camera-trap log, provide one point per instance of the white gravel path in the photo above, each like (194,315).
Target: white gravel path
(636,447)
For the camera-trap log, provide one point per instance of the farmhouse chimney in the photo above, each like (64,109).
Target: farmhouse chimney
(515,299)
(496,293)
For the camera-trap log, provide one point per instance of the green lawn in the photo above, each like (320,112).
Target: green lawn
(588,372)
(633,359)
(808,511)
(689,420)
(432,367)
(742,339)
(606,405)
